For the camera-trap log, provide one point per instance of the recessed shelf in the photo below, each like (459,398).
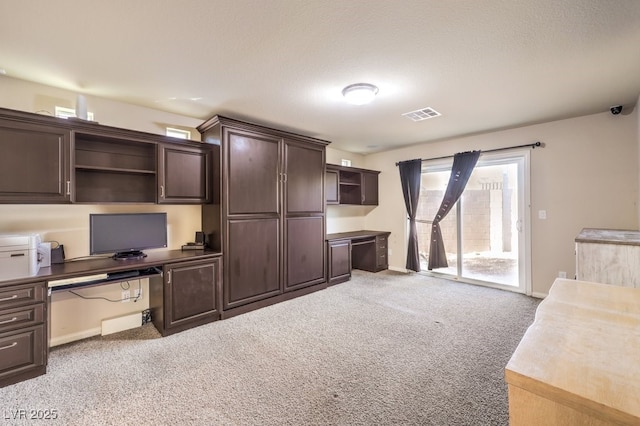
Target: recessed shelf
(114,169)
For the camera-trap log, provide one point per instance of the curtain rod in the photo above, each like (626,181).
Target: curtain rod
(529,145)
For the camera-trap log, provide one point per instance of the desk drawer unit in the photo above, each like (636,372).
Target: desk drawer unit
(21,295)
(10,319)
(21,352)
(23,332)
(382,261)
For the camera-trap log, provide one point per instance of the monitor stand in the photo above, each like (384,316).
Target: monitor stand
(129,255)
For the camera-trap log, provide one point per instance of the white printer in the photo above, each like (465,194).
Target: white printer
(19,255)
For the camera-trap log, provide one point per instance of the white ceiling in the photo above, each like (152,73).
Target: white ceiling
(483,64)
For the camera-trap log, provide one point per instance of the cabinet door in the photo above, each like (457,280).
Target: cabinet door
(34,163)
(253,173)
(331,187)
(305,252)
(304,178)
(339,261)
(369,188)
(184,175)
(191,292)
(24,354)
(252,261)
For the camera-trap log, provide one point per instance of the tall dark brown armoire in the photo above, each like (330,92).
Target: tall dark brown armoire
(268,214)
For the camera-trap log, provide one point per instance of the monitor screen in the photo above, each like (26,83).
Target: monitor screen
(127,234)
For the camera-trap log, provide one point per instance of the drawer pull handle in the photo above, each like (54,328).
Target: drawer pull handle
(15,296)
(10,320)
(9,346)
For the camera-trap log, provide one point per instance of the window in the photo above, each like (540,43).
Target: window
(63,112)
(178,133)
(484,234)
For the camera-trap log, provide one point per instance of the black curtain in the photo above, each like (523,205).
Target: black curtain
(463,164)
(410,175)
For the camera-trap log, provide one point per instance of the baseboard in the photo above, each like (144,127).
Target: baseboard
(68,338)
(396,269)
(539,295)
(125,322)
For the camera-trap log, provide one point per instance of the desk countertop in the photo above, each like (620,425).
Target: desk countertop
(355,234)
(105,265)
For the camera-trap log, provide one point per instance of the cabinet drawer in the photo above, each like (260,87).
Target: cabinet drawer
(10,319)
(21,350)
(21,295)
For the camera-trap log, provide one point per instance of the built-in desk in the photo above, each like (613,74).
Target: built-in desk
(366,250)
(184,291)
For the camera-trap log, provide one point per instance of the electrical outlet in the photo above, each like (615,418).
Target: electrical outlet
(137,293)
(126,296)
(562,274)
(390,252)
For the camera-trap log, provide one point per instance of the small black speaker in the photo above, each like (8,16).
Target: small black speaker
(199,237)
(57,255)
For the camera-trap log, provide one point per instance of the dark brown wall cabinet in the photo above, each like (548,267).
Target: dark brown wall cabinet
(23,334)
(270,220)
(184,174)
(34,163)
(53,160)
(112,170)
(350,185)
(186,295)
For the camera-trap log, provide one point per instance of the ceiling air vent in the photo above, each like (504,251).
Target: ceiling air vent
(422,114)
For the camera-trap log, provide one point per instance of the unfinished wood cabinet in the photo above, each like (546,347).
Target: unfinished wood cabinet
(608,256)
(577,364)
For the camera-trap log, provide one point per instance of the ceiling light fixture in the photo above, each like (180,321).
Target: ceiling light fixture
(360,93)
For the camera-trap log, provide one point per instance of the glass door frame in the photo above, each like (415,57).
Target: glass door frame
(524,208)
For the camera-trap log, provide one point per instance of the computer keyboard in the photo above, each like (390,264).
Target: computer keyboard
(122,275)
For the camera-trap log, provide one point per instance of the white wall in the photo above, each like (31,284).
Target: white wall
(345,218)
(637,111)
(585,176)
(32,97)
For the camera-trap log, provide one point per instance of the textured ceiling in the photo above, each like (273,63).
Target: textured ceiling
(484,65)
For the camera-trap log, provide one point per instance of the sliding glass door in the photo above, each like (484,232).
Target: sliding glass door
(485,236)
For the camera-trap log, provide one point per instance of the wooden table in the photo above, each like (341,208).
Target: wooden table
(579,362)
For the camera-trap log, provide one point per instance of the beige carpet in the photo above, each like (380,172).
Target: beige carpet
(382,349)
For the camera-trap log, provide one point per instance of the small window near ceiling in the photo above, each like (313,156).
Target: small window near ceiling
(178,133)
(62,112)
